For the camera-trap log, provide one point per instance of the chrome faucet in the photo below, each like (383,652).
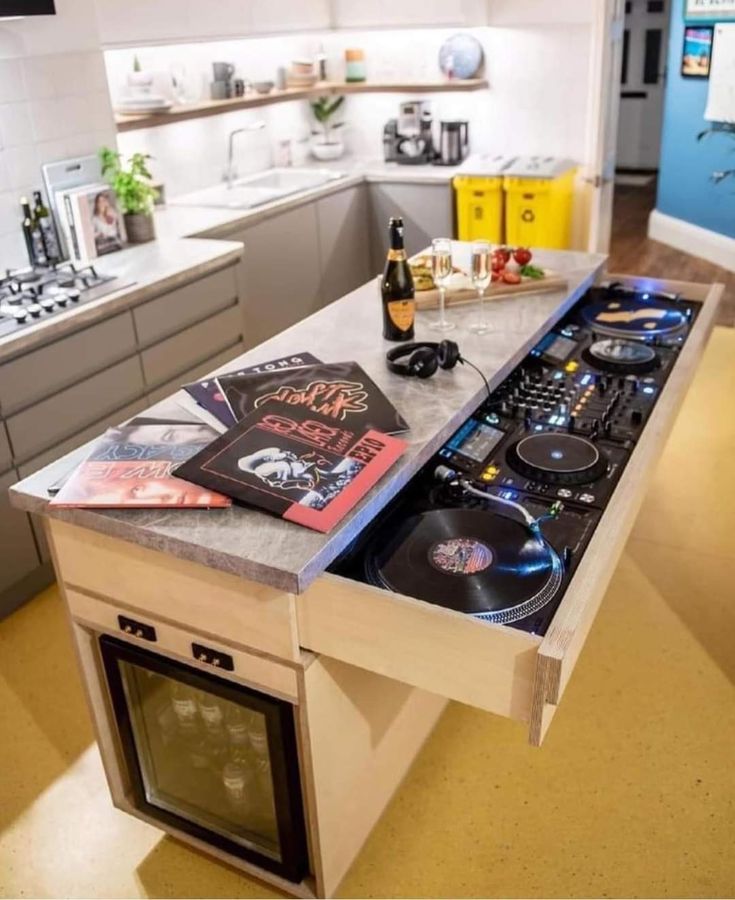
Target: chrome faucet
(230,173)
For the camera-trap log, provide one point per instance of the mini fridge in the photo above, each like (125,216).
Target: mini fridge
(209,757)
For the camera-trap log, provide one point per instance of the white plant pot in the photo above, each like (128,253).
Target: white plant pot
(326,151)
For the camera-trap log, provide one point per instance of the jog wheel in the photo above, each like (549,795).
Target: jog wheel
(557,458)
(621,357)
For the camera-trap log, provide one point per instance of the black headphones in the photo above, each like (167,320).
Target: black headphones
(423,358)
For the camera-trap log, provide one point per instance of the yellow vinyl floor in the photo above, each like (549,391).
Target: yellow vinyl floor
(632,794)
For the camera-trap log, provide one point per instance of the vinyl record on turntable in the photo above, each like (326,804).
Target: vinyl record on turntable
(621,357)
(471,560)
(633,318)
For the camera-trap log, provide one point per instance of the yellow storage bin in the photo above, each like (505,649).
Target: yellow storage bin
(479,208)
(538,206)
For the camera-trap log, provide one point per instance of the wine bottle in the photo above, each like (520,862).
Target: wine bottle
(397,289)
(32,235)
(45,225)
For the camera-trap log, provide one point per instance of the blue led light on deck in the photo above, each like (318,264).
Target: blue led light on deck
(508,495)
(538,427)
(645,296)
(585,379)
(558,375)
(649,390)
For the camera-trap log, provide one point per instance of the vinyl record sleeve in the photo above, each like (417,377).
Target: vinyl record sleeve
(131,466)
(341,392)
(294,463)
(209,395)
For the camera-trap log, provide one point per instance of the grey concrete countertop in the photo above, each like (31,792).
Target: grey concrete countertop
(143,271)
(254,545)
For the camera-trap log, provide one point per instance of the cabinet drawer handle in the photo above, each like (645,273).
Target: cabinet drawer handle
(215,658)
(137,629)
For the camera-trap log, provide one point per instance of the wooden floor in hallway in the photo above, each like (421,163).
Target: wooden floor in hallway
(633,252)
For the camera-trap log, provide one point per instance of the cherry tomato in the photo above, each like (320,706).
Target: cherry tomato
(511,277)
(496,275)
(497,262)
(503,252)
(522,255)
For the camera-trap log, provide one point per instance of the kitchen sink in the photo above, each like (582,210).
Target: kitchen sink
(255,190)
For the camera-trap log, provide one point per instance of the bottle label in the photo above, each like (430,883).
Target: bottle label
(401,313)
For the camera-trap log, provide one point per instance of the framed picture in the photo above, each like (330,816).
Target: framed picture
(697,51)
(709,10)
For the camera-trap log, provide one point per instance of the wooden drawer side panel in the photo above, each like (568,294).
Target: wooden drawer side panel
(429,647)
(250,615)
(573,621)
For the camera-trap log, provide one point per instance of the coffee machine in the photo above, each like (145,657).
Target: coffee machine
(408,139)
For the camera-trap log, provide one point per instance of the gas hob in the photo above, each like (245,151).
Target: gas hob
(28,296)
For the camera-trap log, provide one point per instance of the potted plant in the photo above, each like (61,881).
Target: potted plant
(324,144)
(135,193)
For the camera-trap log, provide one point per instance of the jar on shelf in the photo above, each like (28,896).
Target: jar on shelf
(355,65)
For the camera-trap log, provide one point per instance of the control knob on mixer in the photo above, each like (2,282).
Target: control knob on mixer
(636,416)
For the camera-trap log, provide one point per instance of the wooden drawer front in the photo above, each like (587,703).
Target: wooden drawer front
(66,413)
(256,671)
(174,590)
(164,361)
(199,371)
(194,302)
(5,454)
(18,555)
(428,646)
(37,374)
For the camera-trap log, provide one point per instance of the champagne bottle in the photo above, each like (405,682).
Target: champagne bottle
(397,288)
(32,235)
(45,225)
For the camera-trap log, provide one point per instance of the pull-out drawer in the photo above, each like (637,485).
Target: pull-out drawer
(495,667)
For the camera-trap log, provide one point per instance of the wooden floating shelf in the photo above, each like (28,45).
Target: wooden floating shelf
(216,107)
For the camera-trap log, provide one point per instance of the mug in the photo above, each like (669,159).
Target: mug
(223,71)
(219,90)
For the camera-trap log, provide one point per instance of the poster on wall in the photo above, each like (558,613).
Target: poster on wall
(721,95)
(697,51)
(709,10)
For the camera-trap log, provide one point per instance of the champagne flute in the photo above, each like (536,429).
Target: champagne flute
(441,270)
(481,274)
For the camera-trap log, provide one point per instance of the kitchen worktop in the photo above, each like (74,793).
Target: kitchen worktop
(142,271)
(266,549)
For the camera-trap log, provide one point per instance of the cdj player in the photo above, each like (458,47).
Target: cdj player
(496,523)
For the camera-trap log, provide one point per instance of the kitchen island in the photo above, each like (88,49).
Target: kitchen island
(366,672)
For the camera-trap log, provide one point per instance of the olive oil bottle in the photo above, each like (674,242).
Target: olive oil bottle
(397,289)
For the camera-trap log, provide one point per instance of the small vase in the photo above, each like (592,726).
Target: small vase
(140,227)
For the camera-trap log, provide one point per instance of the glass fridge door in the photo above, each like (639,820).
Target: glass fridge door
(210,757)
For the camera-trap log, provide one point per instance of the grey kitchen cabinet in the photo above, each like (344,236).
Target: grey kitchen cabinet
(194,302)
(64,362)
(198,371)
(427,211)
(344,242)
(281,273)
(6,457)
(19,554)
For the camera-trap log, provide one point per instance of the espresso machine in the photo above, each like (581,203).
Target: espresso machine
(408,139)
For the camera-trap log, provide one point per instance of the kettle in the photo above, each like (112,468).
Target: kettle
(454,142)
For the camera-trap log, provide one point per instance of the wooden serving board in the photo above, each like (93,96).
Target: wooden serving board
(552,281)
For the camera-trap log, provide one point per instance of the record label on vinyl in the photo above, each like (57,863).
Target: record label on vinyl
(460,556)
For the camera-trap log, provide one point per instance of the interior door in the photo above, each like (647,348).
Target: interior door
(603,104)
(642,81)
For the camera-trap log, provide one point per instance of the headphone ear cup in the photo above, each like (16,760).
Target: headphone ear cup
(423,363)
(448,354)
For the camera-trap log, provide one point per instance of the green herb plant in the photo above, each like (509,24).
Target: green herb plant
(131,183)
(324,108)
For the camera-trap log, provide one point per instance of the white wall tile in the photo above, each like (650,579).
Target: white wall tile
(16,127)
(23,165)
(12,85)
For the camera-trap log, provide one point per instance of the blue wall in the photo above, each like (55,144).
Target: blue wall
(684,188)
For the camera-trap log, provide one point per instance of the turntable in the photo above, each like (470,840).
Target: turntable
(490,540)
(472,560)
